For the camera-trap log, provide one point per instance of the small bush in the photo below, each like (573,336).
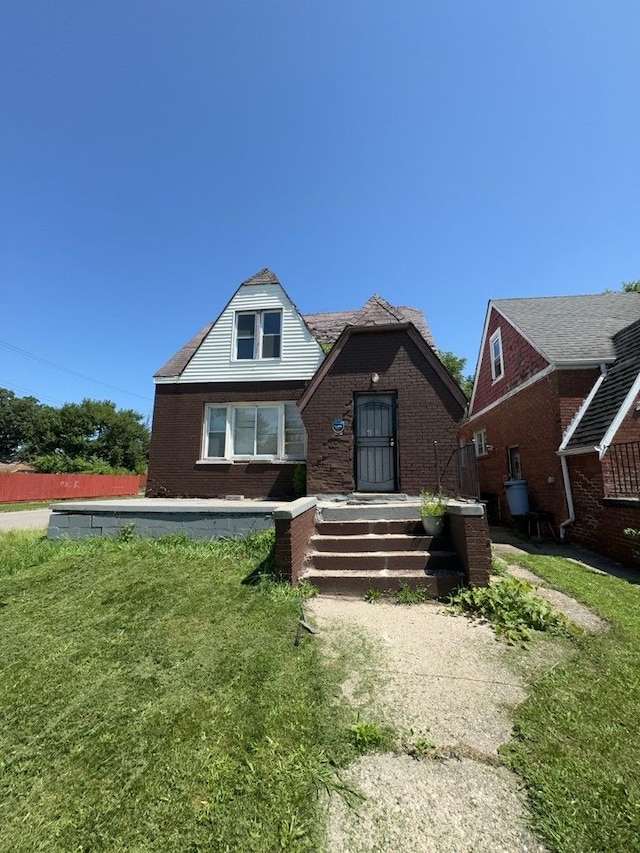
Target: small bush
(60,463)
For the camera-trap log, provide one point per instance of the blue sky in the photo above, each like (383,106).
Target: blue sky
(155,154)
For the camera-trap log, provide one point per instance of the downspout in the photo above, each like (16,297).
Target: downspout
(569,495)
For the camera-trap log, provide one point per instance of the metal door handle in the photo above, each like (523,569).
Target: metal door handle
(392,442)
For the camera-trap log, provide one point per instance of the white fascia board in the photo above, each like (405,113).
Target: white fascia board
(580,363)
(165,380)
(577,451)
(620,416)
(579,414)
(527,384)
(479,360)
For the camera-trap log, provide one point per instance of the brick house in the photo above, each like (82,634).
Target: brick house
(556,402)
(357,398)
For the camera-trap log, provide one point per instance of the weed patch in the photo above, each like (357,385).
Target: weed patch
(411,594)
(512,608)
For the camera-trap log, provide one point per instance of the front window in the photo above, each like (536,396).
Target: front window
(270,431)
(497,363)
(258,335)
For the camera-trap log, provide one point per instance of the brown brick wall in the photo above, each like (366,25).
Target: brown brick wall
(534,420)
(600,522)
(521,361)
(292,543)
(426,412)
(176,440)
(470,537)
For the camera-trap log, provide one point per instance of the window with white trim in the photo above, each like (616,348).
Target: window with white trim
(258,334)
(480,441)
(495,350)
(245,431)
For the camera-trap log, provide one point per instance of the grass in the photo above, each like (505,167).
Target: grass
(16,507)
(578,735)
(151,701)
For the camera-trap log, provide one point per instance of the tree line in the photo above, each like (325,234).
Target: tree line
(91,435)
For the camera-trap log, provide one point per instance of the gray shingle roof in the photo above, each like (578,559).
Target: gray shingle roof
(179,361)
(612,392)
(572,328)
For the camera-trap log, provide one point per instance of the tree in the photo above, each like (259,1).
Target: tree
(18,416)
(87,430)
(455,365)
(631,286)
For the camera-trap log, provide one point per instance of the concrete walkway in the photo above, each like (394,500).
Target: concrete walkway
(505,541)
(24,519)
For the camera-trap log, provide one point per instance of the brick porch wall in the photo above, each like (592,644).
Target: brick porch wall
(295,525)
(470,536)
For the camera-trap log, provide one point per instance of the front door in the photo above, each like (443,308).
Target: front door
(375,434)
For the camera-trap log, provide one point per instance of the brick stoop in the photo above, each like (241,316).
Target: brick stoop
(357,549)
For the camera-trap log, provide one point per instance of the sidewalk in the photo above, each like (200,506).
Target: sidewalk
(506,541)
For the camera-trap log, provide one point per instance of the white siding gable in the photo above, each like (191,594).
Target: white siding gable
(215,360)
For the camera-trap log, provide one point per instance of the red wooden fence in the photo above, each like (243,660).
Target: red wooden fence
(46,487)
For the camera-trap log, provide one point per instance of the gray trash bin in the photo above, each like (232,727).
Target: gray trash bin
(517,496)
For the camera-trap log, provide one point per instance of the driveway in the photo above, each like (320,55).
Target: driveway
(24,519)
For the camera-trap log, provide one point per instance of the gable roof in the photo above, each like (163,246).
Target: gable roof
(327,327)
(612,393)
(418,339)
(572,328)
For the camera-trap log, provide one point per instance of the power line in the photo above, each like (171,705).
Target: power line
(13,387)
(48,363)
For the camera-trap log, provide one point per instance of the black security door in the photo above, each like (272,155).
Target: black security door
(375,433)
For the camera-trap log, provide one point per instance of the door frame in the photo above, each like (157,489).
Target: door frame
(392,396)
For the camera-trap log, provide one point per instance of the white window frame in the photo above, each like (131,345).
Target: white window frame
(496,338)
(258,334)
(480,442)
(230,456)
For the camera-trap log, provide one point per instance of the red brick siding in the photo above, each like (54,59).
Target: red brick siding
(427,412)
(292,543)
(176,440)
(533,419)
(600,522)
(521,361)
(630,426)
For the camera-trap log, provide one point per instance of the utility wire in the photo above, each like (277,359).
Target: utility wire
(13,387)
(48,363)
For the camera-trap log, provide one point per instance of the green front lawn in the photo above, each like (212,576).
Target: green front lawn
(150,701)
(578,735)
(15,507)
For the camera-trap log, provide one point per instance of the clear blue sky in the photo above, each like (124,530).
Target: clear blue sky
(155,154)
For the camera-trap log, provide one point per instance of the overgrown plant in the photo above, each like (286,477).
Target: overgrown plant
(411,594)
(372,595)
(513,609)
(368,736)
(432,504)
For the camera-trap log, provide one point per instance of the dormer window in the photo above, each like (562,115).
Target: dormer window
(495,349)
(258,335)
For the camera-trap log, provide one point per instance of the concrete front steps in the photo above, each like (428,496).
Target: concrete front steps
(358,548)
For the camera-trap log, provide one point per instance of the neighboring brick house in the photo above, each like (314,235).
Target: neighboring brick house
(253,396)
(556,395)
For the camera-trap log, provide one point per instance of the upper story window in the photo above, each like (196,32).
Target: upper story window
(258,335)
(497,361)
